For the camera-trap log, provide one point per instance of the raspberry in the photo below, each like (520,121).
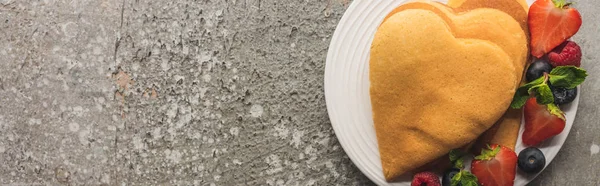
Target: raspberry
(568,53)
(425,178)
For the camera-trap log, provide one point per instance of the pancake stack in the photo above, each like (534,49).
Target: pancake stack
(506,130)
(442,75)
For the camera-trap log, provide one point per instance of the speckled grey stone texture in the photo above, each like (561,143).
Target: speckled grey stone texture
(196,92)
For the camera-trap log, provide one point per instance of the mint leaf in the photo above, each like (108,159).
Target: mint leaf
(567,76)
(522,93)
(459,163)
(455,155)
(520,98)
(456,179)
(534,82)
(456,158)
(471,183)
(543,94)
(468,179)
(464,178)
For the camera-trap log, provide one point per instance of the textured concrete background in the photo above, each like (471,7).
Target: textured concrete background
(197,92)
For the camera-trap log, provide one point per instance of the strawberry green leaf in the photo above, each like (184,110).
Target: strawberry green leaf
(561,3)
(488,153)
(495,151)
(567,76)
(543,94)
(555,110)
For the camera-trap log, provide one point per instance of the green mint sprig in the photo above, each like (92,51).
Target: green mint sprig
(563,77)
(456,158)
(464,178)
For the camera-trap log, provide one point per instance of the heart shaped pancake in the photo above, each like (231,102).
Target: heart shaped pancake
(432,92)
(483,23)
(516,8)
(505,132)
(495,26)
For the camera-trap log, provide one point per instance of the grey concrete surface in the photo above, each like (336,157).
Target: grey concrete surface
(197,92)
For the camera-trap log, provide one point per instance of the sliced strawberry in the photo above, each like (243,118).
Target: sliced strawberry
(551,22)
(541,122)
(496,166)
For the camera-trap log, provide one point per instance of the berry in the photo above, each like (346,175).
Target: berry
(531,160)
(425,178)
(495,166)
(563,96)
(537,69)
(568,53)
(448,175)
(541,122)
(551,22)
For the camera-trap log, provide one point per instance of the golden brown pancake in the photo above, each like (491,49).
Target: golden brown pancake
(505,131)
(473,29)
(486,27)
(483,23)
(432,92)
(485,3)
(516,8)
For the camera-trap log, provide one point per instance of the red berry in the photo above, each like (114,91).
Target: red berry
(568,53)
(426,178)
(541,122)
(496,166)
(551,22)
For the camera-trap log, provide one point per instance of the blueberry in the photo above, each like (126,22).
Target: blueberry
(447,178)
(564,96)
(531,160)
(537,69)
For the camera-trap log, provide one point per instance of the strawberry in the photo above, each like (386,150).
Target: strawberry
(551,22)
(541,122)
(568,53)
(496,166)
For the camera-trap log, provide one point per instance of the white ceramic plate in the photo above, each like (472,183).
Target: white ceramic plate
(347,91)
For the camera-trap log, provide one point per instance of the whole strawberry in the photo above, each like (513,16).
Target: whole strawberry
(496,166)
(551,22)
(426,178)
(541,122)
(568,53)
